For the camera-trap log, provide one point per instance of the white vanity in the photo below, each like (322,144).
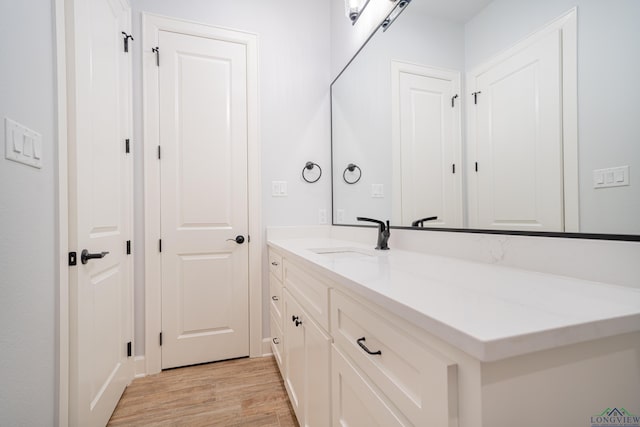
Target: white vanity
(398,338)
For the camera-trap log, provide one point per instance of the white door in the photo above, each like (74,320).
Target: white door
(518,136)
(100,182)
(427,141)
(203,141)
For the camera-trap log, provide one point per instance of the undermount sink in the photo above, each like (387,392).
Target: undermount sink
(342,252)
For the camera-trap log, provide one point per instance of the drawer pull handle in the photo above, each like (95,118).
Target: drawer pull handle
(274,263)
(364,347)
(276,341)
(275,298)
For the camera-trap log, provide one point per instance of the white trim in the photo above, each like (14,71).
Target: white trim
(267,350)
(151,26)
(140,367)
(567,24)
(62,327)
(454,76)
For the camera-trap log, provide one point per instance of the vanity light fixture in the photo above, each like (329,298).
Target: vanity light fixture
(393,15)
(354,8)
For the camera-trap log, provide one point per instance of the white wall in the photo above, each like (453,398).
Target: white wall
(294,78)
(28,254)
(608,92)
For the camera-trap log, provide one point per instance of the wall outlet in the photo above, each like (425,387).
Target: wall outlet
(322,216)
(279,188)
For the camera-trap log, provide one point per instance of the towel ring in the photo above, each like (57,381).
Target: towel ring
(351,167)
(309,166)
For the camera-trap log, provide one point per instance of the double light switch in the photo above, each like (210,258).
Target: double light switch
(22,144)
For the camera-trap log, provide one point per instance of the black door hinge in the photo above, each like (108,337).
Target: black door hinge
(127,148)
(453,99)
(126,41)
(160,245)
(73,259)
(476,166)
(129,349)
(160,338)
(128,247)
(158,151)
(156,50)
(475,96)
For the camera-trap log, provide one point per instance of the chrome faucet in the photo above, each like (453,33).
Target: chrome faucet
(420,222)
(383,233)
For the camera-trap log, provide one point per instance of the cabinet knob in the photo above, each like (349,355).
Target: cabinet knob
(276,341)
(274,263)
(294,318)
(298,323)
(275,298)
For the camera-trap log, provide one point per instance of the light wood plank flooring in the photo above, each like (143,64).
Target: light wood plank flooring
(241,392)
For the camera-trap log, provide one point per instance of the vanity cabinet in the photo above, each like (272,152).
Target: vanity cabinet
(483,350)
(299,310)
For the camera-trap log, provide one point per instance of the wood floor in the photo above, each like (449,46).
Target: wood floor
(241,392)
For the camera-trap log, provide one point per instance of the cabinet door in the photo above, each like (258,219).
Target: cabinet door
(306,358)
(294,354)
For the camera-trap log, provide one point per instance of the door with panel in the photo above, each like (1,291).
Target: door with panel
(100,208)
(518,133)
(426,117)
(204,208)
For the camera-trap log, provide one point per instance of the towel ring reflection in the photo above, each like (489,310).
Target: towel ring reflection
(351,167)
(309,166)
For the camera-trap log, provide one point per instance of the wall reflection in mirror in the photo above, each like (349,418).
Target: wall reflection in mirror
(502,115)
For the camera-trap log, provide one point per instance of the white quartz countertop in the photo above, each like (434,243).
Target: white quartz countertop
(490,312)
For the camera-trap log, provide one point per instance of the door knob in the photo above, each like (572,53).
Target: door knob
(239,239)
(85,256)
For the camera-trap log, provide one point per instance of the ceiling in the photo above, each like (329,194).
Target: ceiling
(459,11)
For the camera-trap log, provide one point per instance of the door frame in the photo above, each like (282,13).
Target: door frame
(62,234)
(151,26)
(567,23)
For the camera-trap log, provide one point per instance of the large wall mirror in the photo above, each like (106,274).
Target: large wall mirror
(508,115)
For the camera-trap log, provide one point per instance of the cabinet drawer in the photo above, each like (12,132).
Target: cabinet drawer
(277,341)
(311,293)
(418,380)
(355,402)
(275,264)
(275,298)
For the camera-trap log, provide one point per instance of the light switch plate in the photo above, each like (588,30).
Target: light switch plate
(377,190)
(22,144)
(611,177)
(278,188)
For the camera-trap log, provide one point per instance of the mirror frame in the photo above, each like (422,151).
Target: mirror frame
(591,236)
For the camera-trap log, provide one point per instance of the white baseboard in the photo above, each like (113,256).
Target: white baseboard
(141,366)
(266,347)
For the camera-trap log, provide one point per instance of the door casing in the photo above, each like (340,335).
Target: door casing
(151,26)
